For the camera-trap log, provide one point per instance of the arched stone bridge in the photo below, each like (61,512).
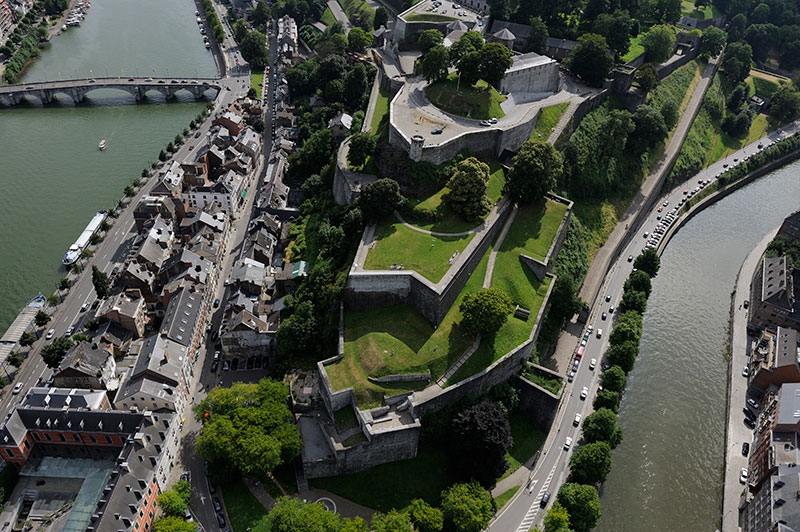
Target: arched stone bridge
(77,89)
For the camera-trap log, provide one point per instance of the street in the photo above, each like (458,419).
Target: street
(523,511)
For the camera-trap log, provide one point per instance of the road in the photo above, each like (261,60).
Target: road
(523,511)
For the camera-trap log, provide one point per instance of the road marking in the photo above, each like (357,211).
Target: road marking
(533,511)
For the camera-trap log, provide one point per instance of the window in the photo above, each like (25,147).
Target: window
(108,439)
(92,438)
(47,437)
(61,437)
(76,437)
(10,453)
(36,436)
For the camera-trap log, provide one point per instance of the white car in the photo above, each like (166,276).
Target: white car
(592,364)
(745,372)
(599,333)
(577,420)
(743,476)
(17,388)
(584,393)
(50,334)
(567,443)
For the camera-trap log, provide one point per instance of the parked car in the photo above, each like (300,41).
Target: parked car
(84,307)
(748,413)
(571,376)
(630,258)
(577,420)
(575,366)
(599,333)
(752,402)
(746,303)
(214,367)
(604,316)
(226,365)
(17,388)
(221,520)
(217,505)
(216,303)
(608,298)
(745,449)
(745,372)
(743,476)
(69,331)
(186,476)
(437,131)
(750,423)
(592,364)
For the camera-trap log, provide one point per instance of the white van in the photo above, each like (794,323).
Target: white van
(599,333)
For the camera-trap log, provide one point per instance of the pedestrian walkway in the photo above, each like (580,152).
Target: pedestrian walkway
(258,491)
(435,233)
(487,278)
(563,121)
(460,362)
(339,14)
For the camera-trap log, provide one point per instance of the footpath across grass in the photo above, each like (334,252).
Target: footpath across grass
(243,509)
(478,102)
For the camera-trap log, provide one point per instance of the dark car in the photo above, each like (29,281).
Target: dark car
(436,132)
(750,423)
(221,520)
(205,467)
(745,449)
(214,366)
(211,489)
(604,316)
(749,413)
(545,499)
(630,258)
(186,476)
(571,377)
(218,506)
(216,303)
(746,303)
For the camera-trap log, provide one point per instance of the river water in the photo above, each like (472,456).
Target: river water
(667,473)
(53,176)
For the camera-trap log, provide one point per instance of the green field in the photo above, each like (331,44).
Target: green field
(381,109)
(426,254)
(635,50)
(256,79)
(761,86)
(243,509)
(327,17)
(547,120)
(688,10)
(504,497)
(478,102)
(432,213)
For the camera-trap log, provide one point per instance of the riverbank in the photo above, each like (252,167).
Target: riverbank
(736,433)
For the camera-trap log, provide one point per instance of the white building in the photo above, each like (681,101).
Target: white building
(228,193)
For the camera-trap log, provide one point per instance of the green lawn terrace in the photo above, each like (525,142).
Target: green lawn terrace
(398,339)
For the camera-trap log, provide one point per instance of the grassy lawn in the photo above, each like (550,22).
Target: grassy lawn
(426,254)
(635,50)
(428,17)
(724,144)
(381,109)
(399,339)
(432,214)
(504,497)
(534,228)
(552,384)
(244,510)
(479,101)
(327,17)
(345,418)
(256,79)
(688,10)
(527,440)
(761,86)
(547,120)
(396,484)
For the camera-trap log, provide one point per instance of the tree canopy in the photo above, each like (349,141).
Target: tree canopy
(658,43)
(601,425)
(785,105)
(495,60)
(254,49)
(627,328)
(393,521)
(648,261)
(380,198)
(633,300)
(614,379)
(648,128)
(101,282)
(591,463)
(736,61)
(606,399)
(623,355)
(434,63)
(481,436)
(362,145)
(537,41)
(249,427)
(485,311)
(425,517)
(297,334)
(173,524)
(428,39)
(53,352)
(467,185)
(713,41)
(591,60)
(616,28)
(535,169)
(358,40)
(582,504)
(467,507)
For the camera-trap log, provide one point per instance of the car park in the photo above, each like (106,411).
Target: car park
(745,449)
(584,392)
(577,420)
(567,443)
(50,334)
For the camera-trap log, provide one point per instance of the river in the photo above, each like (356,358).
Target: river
(53,176)
(667,473)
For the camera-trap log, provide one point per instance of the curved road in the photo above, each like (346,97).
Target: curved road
(523,512)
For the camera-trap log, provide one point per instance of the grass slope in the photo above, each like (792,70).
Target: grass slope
(327,17)
(479,101)
(244,510)
(547,120)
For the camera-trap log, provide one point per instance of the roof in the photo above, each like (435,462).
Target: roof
(789,404)
(520,31)
(125,303)
(342,119)
(787,347)
(233,117)
(457,25)
(86,357)
(216,222)
(249,271)
(25,418)
(504,35)
(187,263)
(785,488)
(139,272)
(160,358)
(529,60)
(244,320)
(182,316)
(56,398)
(565,44)
(775,279)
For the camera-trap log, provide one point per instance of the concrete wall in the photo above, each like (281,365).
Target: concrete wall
(539,78)
(538,405)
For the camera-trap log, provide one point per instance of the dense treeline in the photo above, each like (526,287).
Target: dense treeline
(213,21)
(28,49)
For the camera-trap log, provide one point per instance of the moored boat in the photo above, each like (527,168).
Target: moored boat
(102,145)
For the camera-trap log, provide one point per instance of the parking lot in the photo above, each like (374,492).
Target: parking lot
(441,11)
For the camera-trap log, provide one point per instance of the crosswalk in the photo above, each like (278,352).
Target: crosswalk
(533,511)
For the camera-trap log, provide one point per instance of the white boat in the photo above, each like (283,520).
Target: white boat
(74,252)
(102,145)
(208,44)
(197,13)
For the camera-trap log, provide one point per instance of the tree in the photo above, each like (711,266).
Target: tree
(362,145)
(173,524)
(647,77)
(380,198)
(669,112)
(41,318)
(606,399)
(535,170)
(358,40)
(648,261)
(762,38)
(27,339)
(425,517)
(500,9)
(623,355)
(736,28)
(429,39)
(172,504)
(649,128)
(261,14)
(736,62)
(537,41)
(481,436)
(466,193)
(737,125)
(254,49)
(616,28)
(614,379)
(101,282)
(381,18)
(639,281)
(471,41)
(485,311)
(601,425)
(713,41)
(582,504)
(469,68)
(591,59)
(760,14)
(658,43)
(633,300)
(129,191)
(495,60)
(53,300)
(394,521)
(296,335)
(785,103)
(627,328)
(53,352)
(666,10)
(355,86)
(434,64)
(467,507)
(16,360)
(162,156)
(239,29)
(563,302)
(556,519)
(591,463)
(294,515)
(248,427)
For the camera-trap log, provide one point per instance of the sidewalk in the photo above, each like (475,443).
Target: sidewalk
(736,432)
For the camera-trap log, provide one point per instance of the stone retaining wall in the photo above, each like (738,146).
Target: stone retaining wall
(538,405)
(405,377)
